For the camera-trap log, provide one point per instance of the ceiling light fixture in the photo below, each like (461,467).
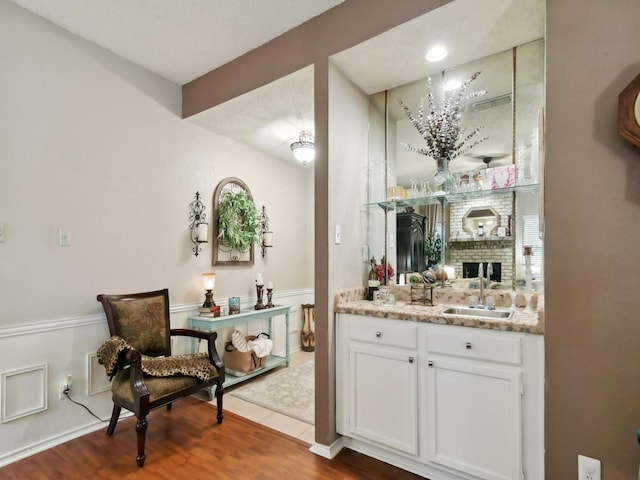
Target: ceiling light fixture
(452,85)
(436,53)
(304,148)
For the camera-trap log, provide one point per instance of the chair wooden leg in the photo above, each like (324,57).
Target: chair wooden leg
(219,394)
(169,406)
(141,430)
(115,415)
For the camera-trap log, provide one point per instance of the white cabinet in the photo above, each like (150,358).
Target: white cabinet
(380,378)
(474,404)
(446,402)
(383,396)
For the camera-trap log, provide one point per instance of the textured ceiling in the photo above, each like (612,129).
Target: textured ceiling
(178,39)
(470,29)
(269,118)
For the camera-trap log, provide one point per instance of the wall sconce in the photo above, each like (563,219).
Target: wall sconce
(304,149)
(265,235)
(198,224)
(209,282)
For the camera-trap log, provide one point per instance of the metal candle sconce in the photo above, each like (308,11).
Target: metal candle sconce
(198,224)
(266,236)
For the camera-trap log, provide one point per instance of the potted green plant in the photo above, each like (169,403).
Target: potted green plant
(433,249)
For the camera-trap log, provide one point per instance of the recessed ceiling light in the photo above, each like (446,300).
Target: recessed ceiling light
(436,53)
(452,84)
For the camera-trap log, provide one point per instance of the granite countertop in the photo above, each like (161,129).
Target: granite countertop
(523,320)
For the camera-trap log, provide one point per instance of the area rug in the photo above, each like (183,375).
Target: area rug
(289,391)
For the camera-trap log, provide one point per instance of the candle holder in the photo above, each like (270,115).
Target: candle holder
(269,296)
(259,290)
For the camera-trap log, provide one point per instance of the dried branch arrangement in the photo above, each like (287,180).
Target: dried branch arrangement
(442,129)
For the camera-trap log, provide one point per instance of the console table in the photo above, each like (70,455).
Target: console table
(248,316)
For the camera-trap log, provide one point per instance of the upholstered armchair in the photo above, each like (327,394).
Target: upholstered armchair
(138,359)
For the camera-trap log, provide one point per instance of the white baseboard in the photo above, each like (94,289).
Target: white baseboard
(48,443)
(327,451)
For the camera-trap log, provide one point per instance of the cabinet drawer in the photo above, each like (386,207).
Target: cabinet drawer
(394,333)
(486,346)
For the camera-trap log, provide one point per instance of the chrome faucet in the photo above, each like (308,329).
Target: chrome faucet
(481,303)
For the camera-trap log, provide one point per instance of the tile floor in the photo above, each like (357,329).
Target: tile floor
(287,425)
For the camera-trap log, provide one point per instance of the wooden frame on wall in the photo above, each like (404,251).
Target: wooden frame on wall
(223,255)
(629,112)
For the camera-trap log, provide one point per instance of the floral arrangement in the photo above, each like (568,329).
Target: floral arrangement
(442,130)
(379,268)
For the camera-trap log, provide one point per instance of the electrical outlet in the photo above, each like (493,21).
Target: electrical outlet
(588,468)
(65,386)
(338,235)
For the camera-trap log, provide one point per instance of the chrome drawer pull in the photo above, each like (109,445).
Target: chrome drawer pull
(430,363)
(468,345)
(410,359)
(378,334)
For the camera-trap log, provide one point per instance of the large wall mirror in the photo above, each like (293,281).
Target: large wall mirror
(510,115)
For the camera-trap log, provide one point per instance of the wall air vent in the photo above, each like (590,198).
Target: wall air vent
(492,102)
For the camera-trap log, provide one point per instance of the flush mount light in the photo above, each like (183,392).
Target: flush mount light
(436,53)
(304,148)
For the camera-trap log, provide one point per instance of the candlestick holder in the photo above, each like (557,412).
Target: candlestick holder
(259,290)
(269,296)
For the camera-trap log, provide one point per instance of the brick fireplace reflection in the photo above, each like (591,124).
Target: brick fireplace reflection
(470,270)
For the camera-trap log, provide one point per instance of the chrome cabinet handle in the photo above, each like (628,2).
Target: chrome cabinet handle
(378,334)
(430,363)
(410,359)
(468,345)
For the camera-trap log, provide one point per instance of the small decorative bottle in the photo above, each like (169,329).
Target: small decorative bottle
(373,282)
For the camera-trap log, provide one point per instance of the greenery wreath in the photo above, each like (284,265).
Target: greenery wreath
(238,221)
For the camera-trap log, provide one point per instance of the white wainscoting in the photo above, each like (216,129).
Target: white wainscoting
(35,358)
(29,379)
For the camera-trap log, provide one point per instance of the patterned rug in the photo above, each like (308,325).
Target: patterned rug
(289,391)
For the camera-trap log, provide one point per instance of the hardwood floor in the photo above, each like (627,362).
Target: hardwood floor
(186,442)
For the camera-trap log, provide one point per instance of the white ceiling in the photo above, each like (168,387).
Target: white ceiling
(182,40)
(178,39)
(470,29)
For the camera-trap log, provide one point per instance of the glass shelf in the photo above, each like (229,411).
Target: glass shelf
(391,205)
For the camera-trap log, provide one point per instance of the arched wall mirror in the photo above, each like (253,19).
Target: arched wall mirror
(501,175)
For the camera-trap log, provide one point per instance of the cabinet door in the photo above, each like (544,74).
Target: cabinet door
(383,399)
(474,418)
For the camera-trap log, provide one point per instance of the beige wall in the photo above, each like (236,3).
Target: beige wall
(592,208)
(93,143)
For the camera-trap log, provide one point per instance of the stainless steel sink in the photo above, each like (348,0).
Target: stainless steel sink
(477,313)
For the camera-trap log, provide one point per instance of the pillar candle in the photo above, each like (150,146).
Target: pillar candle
(202,232)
